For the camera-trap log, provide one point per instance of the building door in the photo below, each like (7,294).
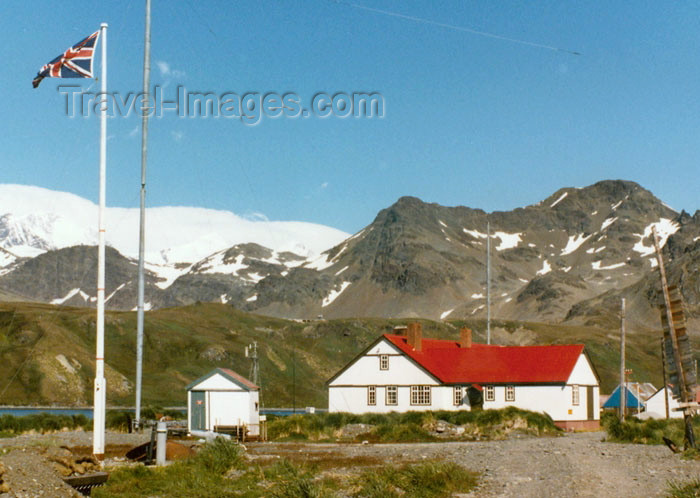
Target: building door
(590,402)
(198,411)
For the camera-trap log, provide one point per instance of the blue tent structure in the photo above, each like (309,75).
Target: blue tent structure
(631,400)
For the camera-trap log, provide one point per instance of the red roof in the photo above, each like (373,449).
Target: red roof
(491,364)
(239,378)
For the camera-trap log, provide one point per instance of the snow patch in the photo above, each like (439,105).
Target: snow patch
(546,268)
(341,271)
(477,296)
(442,223)
(445,314)
(596,265)
(479,308)
(616,205)
(574,243)
(474,233)
(508,240)
(664,229)
(508,300)
(65,298)
(333,295)
(252,298)
(223,299)
(561,198)
(607,222)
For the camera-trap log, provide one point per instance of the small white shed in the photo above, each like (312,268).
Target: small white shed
(223,399)
(656,405)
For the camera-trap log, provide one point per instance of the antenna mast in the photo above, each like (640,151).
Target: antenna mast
(488,283)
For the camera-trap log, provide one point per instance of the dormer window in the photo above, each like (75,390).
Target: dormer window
(384,362)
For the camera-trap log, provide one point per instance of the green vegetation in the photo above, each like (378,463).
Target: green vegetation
(41,422)
(427,480)
(47,352)
(684,489)
(651,431)
(410,426)
(219,470)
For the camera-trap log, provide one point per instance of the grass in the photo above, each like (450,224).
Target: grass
(219,470)
(41,422)
(651,431)
(689,489)
(410,426)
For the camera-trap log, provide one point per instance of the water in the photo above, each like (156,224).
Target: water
(21,412)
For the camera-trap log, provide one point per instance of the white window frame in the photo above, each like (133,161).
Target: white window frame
(383,362)
(392,392)
(457,395)
(489,393)
(575,395)
(510,393)
(421,395)
(371,395)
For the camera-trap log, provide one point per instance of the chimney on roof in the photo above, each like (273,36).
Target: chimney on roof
(400,330)
(465,338)
(415,336)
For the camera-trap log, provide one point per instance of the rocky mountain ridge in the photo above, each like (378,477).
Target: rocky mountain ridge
(570,257)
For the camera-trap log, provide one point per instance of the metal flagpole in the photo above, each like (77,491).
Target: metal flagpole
(623,384)
(98,431)
(145,110)
(488,283)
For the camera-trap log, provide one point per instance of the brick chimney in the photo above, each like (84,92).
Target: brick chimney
(465,338)
(400,330)
(415,336)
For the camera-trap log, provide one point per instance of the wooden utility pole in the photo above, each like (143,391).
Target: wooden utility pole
(623,385)
(663,368)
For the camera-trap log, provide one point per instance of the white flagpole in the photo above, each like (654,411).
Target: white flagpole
(98,431)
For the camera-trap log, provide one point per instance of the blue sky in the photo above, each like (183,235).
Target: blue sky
(468,119)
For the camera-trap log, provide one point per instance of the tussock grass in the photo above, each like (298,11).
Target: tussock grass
(11,425)
(651,431)
(409,426)
(425,480)
(689,489)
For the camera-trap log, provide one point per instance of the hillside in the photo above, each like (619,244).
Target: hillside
(47,352)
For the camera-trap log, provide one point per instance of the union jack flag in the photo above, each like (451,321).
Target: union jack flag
(76,62)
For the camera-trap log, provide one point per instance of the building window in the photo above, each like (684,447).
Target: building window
(574,395)
(458,395)
(510,393)
(420,395)
(489,393)
(371,395)
(384,362)
(392,395)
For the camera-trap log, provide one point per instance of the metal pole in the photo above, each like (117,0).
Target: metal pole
(98,430)
(161,443)
(623,386)
(142,218)
(663,369)
(488,283)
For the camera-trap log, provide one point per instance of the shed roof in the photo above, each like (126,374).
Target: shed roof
(492,364)
(229,374)
(631,400)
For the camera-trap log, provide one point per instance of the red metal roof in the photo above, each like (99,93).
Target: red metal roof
(239,378)
(492,364)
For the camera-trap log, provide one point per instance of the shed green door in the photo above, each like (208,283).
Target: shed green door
(198,411)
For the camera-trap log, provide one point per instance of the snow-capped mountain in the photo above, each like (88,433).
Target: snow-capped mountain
(34,220)
(569,257)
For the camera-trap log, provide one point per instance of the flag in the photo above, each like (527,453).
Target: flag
(76,62)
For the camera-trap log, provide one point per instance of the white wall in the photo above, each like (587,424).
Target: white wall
(656,406)
(354,400)
(582,373)
(365,370)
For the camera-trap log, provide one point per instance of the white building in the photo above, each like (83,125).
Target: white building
(656,405)
(223,399)
(402,372)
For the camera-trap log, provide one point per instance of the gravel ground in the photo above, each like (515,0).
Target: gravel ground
(26,458)
(571,465)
